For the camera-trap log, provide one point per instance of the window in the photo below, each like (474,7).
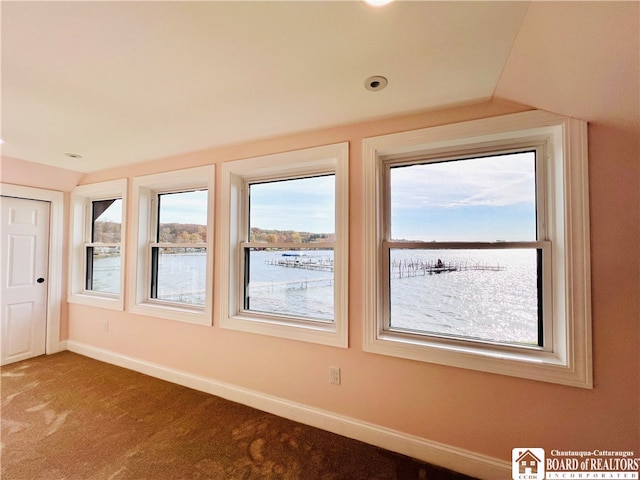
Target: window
(97,247)
(286,253)
(179,250)
(172,260)
(103,248)
(288,258)
(475,259)
(463,233)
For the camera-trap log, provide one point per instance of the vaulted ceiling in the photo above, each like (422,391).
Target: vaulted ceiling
(124,82)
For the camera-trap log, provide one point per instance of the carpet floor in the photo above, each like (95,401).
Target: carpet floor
(66,416)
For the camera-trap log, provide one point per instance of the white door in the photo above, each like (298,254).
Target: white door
(24,244)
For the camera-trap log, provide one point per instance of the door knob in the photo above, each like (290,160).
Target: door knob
(40,280)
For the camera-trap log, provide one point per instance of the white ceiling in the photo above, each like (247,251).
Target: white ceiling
(124,82)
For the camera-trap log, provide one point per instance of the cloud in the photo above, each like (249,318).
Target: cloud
(493,181)
(483,199)
(306,204)
(184,207)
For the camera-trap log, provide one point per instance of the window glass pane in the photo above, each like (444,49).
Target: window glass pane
(180,275)
(295,283)
(488,295)
(182,217)
(106,221)
(298,210)
(103,269)
(480,199)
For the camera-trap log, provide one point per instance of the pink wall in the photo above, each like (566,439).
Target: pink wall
(484,413)
(589,68)
(36,175)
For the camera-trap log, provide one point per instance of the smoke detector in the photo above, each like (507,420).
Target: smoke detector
(375,83)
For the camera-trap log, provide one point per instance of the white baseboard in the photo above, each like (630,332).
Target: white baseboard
(456,459)
(61,346)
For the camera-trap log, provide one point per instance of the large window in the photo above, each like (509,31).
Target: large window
(173,264)
(466,234)
(97,244)
(285,256)
(474,257)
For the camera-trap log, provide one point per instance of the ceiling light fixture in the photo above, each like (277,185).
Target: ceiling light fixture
(73,155)
(377,3)
(375,83)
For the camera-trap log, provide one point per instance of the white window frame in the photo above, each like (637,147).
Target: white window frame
(567,356)
(81,211)
(329,159)
(144,216)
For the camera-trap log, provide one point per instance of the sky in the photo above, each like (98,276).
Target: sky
(481,199)
(113,212)
(184,207)
(303,205)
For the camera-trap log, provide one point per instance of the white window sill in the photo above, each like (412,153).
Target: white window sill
(541,366)
(195,315)
(307,331)
(98,301)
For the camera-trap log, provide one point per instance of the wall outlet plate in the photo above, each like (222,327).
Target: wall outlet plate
(334,375)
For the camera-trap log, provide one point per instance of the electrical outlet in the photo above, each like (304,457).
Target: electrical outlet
(334,375)
(106,326)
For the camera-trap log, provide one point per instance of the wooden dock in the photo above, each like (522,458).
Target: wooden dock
(291,285)
(415,268)
(399,268)
(324,264)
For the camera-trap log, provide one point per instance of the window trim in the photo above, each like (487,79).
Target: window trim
(307,162)
(569,360)
(80,223)
(144,217)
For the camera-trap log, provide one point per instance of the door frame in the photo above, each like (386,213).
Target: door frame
(56,252)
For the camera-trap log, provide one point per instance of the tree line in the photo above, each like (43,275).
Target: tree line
(109,232)
(288,236)
(182,233)
(106,232)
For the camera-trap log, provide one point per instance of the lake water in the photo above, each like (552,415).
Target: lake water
(478,300)
(472,301)
(181,277)
(292,290)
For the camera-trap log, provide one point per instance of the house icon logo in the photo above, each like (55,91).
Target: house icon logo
(528,463)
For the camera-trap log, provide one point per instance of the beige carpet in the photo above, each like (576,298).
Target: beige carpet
(66,416)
